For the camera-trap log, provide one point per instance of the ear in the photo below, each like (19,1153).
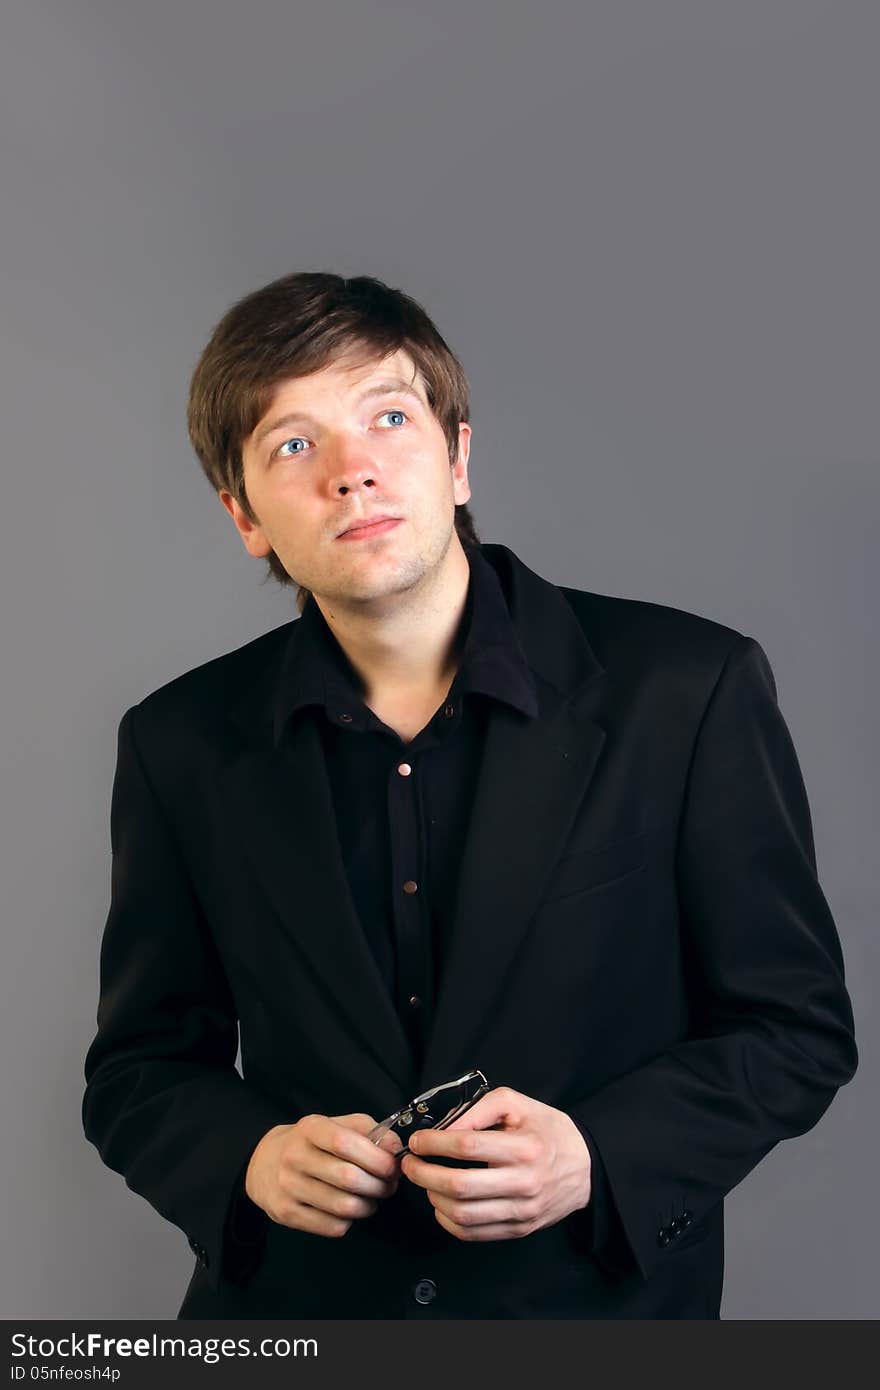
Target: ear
(460,485)
(255,542)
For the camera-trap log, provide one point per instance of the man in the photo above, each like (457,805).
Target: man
(455,816)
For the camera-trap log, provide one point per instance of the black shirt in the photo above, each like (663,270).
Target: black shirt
(402,816)
(402,807)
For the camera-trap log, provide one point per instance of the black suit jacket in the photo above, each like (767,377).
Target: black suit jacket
(639,939)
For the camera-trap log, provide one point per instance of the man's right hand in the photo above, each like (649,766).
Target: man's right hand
(322,1173)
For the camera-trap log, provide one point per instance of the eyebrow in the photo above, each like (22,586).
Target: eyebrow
(394,386)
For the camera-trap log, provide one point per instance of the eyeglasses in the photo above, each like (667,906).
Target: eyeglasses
(434,1109)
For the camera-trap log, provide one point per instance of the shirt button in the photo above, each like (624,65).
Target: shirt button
(410,886)
(404,769)
(425,1291)
(449,711)
(415,1001)
(346,718)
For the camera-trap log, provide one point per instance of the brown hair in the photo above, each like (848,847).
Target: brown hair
(292,327)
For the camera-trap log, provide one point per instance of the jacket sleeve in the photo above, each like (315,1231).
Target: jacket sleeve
(245,1235)
(598,1229)
(773,1035)
(163,1103)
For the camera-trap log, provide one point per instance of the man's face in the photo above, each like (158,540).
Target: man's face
(333,449)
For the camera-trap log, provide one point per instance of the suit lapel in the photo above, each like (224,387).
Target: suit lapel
(533,776)
(533,779)
(282,802)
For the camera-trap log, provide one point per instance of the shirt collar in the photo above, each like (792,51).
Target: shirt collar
(492,661)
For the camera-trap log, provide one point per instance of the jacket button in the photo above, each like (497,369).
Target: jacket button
(425,1291)
(686,1218)
(663,1236)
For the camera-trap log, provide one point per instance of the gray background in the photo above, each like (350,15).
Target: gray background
(650,231)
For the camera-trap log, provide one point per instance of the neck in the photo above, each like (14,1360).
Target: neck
(413,646)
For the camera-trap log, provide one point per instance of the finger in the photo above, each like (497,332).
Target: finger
(347,1206)
(467,1184)
(301,1217)
(508,1230)
(501,1106)
(345,1142)
(482,1145)
(364,1124)
(496,1211)
(359,1121)
(391,1142)
(345,1176)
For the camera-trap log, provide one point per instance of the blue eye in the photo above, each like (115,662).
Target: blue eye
(402,415)
(295,439)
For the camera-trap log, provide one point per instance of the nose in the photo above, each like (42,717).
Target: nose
(351,468)
(348,486)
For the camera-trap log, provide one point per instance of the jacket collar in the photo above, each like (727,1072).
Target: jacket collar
(553,644)
(491,659)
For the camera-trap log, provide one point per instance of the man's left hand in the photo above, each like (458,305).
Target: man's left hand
(539,1168)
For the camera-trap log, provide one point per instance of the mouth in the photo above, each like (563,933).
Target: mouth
(377,527)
